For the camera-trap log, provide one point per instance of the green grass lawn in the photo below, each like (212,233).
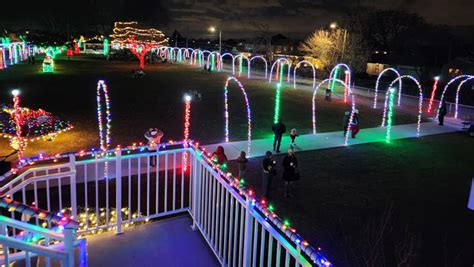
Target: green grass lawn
(342,197)
(156,101)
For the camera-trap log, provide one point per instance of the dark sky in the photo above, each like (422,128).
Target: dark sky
(193,17)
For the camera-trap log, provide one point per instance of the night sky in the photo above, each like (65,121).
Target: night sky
(193,17)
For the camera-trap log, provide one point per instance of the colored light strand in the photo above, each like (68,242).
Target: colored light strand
(276,115)
(315,91)
(306,63)
(233,60)
(391,102)
(420,101)
(106,47)
(433,93)
(377,83)
(226,113)
(241,58)
(19,122)
(105,137)
(187,125)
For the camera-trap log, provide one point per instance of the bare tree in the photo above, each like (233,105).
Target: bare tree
(264,38)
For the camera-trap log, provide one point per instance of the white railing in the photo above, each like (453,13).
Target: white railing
(130,186)
(22,242)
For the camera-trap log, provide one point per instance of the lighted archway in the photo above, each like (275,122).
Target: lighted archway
(297,66)
(241,57)
(216,56)
(420,101)
(377,83)
(457,95)
(278,61)
(353,106)
(226,114)
(347,80)
(447,86)
(233,59)
(104,136)
(264,61)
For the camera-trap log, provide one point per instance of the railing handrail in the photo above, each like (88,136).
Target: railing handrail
(36,249)
(31,228)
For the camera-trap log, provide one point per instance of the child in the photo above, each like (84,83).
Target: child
(293,136)
(242,163)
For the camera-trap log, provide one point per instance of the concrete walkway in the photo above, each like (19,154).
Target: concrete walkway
(169,242)
(336,139)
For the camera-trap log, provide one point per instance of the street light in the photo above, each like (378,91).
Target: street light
(333,26)
(213,30)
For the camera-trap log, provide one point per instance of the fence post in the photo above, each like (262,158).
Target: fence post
(247,232)
(118,190)
(196,188)
(69,238)
(73,184)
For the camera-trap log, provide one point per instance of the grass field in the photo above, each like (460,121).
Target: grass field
(156,101)
(345,194)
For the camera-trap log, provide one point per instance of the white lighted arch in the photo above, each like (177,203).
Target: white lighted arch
(420,101)
(239,57)
(447,86)
(457,95)
(377,83)
(297,66)
(233,59)
(278,61)
(264,60)
(216,55)
(349,82)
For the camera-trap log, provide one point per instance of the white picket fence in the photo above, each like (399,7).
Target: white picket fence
(127,187)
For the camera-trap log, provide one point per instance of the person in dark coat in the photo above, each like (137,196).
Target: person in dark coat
(268,173)
(219,156)
(290,173)
(442,112)
(242,164)
(278,129)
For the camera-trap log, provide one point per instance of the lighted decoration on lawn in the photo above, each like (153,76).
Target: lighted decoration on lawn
(420,101)
(306,63)
(391,101)
(377,84)
(213,60)
(104,134)
(106,47)
(187,125)
(21,125)
(457,95)
(277,64)
(433,93)
(233,60)
(315,91)
(276,113)
(460,77)
(264,61)
(48,65)
(3,62)
(241,58)
(226,113)
(348,79)
(138,39)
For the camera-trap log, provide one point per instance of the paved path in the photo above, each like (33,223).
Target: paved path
(169,242)
(336,139)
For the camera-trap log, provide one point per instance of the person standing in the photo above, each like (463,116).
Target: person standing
(219,156)
(293,135)
(355,123)
(442,112)
(269,172)
(242,164)
(278,129)
(290,173)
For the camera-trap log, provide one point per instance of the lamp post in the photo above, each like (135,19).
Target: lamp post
(213,30)
(333,26)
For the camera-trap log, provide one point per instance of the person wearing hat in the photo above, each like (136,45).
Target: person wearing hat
(290,173)
(269,172)
(153,135)
(355,123)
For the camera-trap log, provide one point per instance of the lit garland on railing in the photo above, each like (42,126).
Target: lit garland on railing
(104,137)
(420,101)
(226,113)
(187,125)
(377,83)
(267,210)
